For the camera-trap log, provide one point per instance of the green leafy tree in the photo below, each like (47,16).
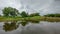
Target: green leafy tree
(0,15)
(9,11)
(24,14)
(34,14)
(52,15)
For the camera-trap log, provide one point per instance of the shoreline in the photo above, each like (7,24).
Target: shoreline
(36,18)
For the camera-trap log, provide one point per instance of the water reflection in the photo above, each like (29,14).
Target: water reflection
(26,22)
(10,26)
(23,23)
(35,21)
(27,27)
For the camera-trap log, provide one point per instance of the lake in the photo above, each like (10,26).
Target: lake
(29,27)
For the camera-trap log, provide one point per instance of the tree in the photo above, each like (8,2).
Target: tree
(24,14)
(9,11)
(34,14)
(52,15)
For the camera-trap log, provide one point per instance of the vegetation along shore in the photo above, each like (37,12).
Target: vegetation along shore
(12,14)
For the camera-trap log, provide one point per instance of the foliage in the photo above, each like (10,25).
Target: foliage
(52,15)
(34,14)
(9,11)
(24,14)
(0,15)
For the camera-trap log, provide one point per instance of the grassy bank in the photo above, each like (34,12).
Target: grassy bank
(39,18)
(36,18)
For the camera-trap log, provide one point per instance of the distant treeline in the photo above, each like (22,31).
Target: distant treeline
(13,12)
(24,14)
(52,15)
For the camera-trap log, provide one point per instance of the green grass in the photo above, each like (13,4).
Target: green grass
(35,18)
(39,18)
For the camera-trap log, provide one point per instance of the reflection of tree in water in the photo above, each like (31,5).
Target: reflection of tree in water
(24,23)
(15,24)
(35,21)
(10,26)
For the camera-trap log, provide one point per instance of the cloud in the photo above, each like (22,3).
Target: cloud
(11,3)
(31,6)
(53,8)
(36,4)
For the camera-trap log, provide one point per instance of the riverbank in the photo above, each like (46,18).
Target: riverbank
(35,18)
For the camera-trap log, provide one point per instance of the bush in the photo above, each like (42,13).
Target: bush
(24,14)
(9,11)
(34,14)
(52,15)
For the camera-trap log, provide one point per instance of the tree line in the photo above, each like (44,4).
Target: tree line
(13,12)
(9,11)
(52,15)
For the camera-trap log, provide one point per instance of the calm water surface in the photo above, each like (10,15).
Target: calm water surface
(19,27)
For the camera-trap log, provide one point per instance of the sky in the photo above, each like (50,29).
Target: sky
(32,6)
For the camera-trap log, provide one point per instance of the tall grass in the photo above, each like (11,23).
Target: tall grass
(35,18)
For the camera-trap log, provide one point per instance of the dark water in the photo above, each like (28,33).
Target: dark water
(29,27)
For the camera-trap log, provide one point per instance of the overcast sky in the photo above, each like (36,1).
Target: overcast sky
(30,6)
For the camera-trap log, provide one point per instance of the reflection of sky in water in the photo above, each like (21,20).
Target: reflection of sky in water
(9,32)
(29,26)
(43,28)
